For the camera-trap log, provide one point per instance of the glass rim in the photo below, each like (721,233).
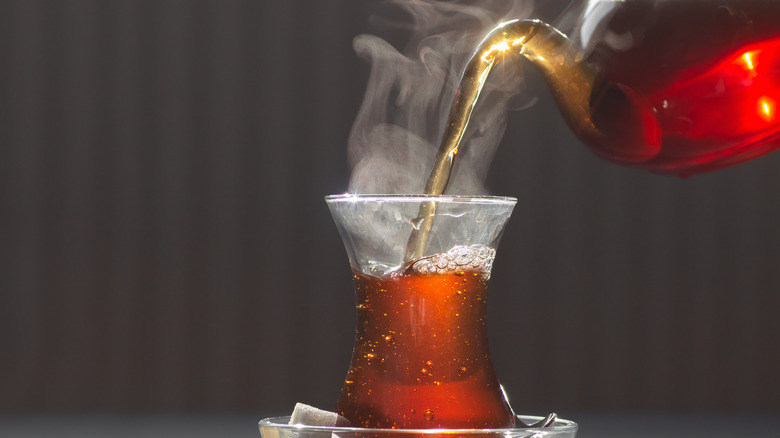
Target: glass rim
(464,199)
(560,425)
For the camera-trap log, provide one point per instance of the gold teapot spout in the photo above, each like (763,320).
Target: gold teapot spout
(611,117)
(630,133)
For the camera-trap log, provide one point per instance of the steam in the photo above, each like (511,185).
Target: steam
(408,97)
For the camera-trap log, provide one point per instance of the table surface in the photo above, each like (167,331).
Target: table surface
(245,426)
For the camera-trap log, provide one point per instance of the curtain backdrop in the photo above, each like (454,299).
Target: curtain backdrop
(165,246)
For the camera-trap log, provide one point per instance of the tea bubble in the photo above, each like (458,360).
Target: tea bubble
(459,258)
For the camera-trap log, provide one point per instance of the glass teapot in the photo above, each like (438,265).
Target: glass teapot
(672,86)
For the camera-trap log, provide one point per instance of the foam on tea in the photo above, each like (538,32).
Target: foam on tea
(477,258)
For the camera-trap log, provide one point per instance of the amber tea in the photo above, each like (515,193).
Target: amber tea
(421,357)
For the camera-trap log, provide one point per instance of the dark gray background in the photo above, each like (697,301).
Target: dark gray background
(164,245)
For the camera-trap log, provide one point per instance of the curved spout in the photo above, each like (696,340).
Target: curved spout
(610,116)
(571,80)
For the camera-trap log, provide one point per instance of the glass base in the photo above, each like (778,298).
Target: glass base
(278,427)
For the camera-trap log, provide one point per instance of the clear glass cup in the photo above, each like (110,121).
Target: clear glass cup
(421,357)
